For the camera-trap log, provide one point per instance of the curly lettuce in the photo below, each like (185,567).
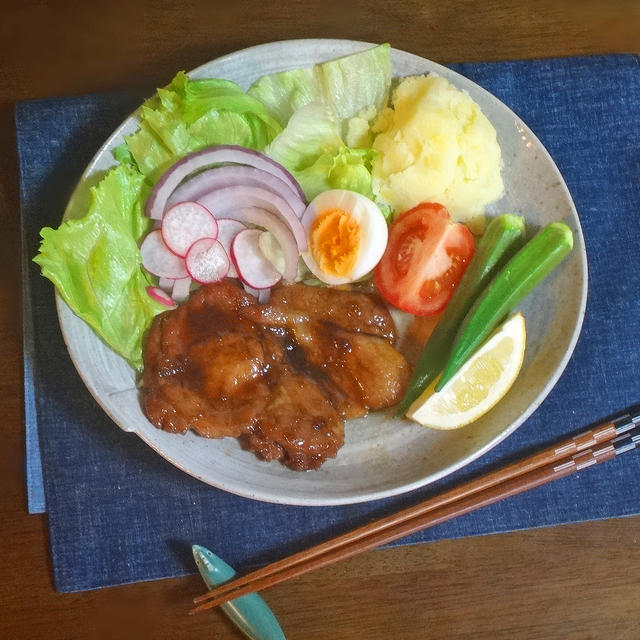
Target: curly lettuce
(94,262)
(192,114)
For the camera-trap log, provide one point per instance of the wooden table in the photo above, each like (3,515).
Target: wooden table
(579,581)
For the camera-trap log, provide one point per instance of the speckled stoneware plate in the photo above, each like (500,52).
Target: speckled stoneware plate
(381,456)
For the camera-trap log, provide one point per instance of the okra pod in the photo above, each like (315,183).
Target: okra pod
(534,262)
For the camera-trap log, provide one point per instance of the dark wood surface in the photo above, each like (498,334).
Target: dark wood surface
(577,581)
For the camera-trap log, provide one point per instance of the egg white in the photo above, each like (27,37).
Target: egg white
(373,232)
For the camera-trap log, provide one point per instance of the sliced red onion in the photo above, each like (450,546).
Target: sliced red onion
(283,236)
(251,291)
(181,289)
(229,202)
(161,296)
(261,295)
(272,250)
(227,230)
(159,260)
(253,267)
(169,181)
(186,222)
(207,261)
(236,175)
(166,284)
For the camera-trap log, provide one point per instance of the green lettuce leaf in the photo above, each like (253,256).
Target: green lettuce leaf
(284,93)
(355,82)
(318,107)
(345,85)
(192,114)
(94,262)
(344,169)
(312,131)
(312,149)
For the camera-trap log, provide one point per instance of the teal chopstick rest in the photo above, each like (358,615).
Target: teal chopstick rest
(249,613)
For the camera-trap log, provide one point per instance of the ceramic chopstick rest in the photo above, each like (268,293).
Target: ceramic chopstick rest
(249,613)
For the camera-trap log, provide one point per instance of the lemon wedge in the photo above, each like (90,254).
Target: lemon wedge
(479,384)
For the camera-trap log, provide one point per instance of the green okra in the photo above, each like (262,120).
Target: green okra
(517,279)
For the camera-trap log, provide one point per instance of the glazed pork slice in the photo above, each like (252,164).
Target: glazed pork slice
(366,369)
(282,377)
(205,366)
(299,426)
(359,367)
(350,309)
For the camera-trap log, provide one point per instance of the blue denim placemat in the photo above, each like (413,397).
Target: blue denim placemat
(120,513)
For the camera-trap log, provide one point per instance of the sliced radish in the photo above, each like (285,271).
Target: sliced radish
(169,181)
(161,296)
(185,223)
(207,261)
(159,260)
(253,267)
(227,230)
(233,175)
(181,289)
(283,236)
(230,201)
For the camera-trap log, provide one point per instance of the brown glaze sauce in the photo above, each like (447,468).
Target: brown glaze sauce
(282,377)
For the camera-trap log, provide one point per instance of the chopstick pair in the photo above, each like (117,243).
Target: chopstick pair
(599,444)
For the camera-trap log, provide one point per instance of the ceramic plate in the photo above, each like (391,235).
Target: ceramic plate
(381,456)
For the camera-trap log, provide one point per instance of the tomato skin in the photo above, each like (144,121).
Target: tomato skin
(425,258)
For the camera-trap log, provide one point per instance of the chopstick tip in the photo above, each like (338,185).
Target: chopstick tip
(199,609)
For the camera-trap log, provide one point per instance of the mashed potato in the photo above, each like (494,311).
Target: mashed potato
(435,145)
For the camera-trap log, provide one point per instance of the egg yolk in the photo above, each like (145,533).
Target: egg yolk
(334,242)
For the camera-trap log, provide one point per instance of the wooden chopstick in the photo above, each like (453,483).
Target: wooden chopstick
(593,446)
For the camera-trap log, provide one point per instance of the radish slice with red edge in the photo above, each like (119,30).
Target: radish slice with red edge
(170,179)
(236,175)
(181,289)
(207,261)
(159,260)
(185,223)
(161,296)
(283,236)
(254,269)
(227,230)
(230,201)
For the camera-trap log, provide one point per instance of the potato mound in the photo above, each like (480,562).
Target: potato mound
(436,145)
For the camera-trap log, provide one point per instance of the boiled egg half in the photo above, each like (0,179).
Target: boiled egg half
(347,235)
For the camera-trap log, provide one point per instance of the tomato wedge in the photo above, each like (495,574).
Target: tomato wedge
(425,258)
